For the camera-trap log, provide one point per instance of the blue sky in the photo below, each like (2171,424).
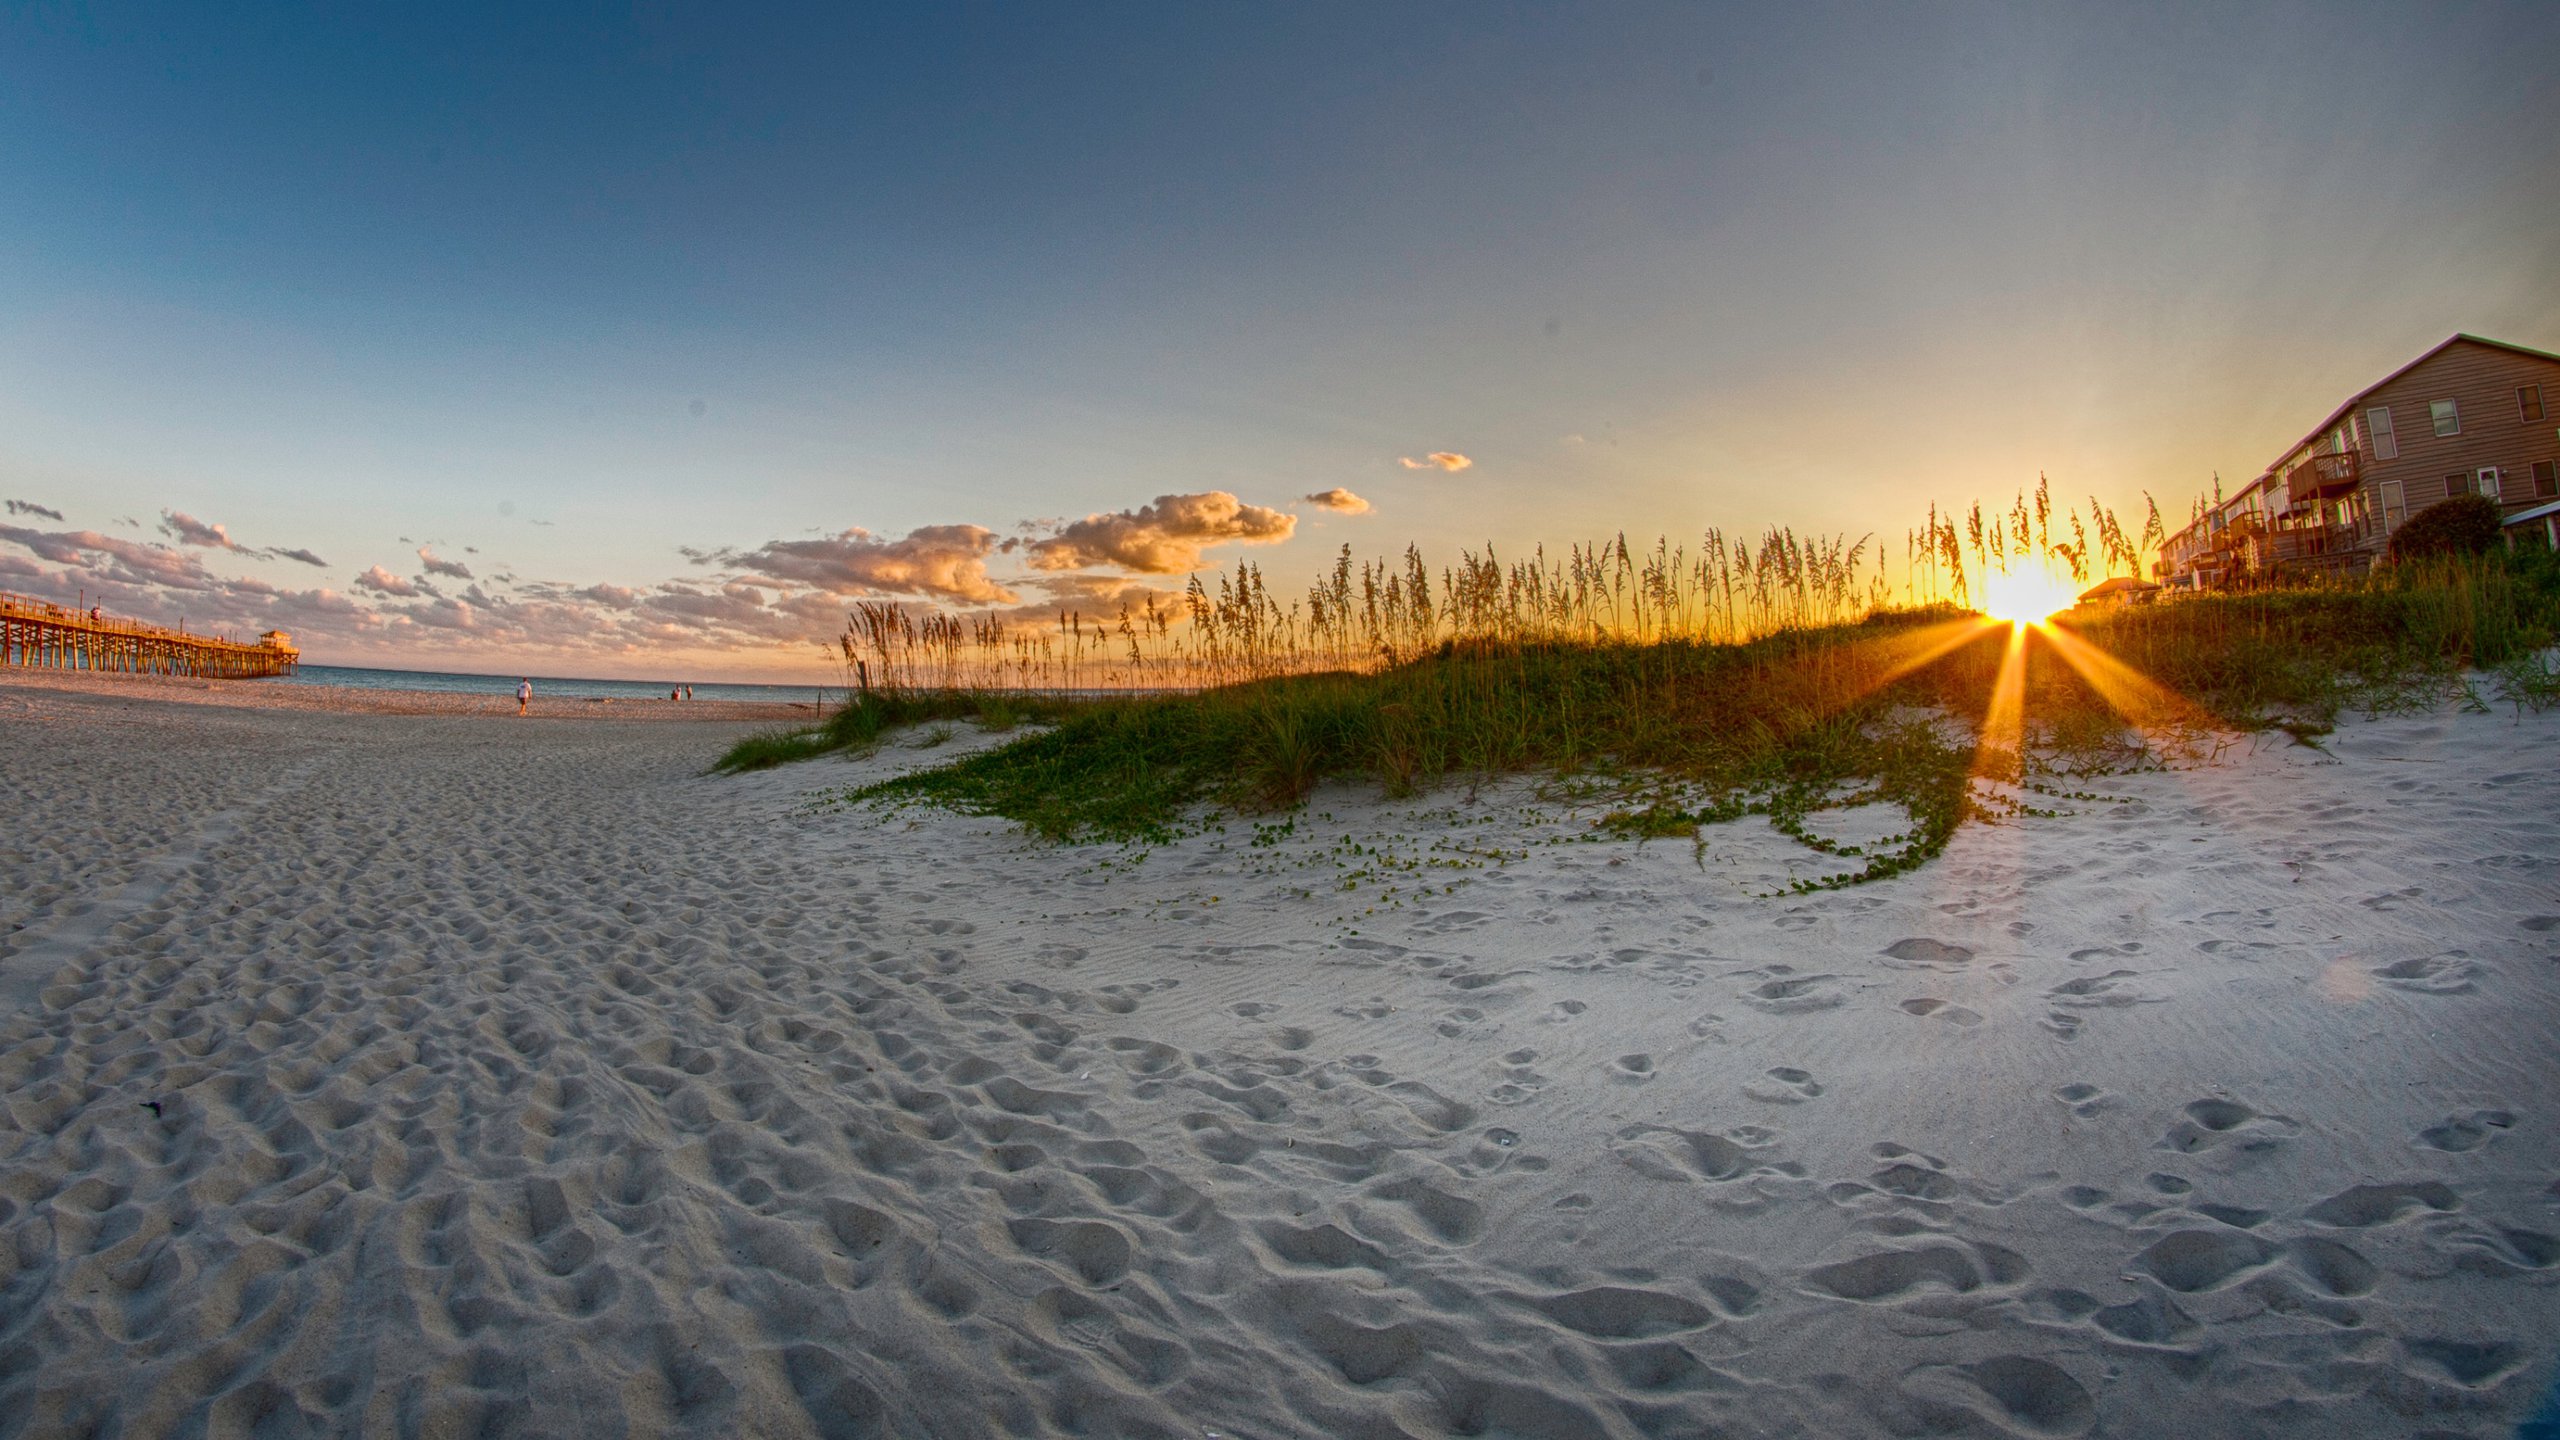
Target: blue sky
(614,301)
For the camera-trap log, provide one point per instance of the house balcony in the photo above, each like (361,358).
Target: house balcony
(2324,477)
(2314,543)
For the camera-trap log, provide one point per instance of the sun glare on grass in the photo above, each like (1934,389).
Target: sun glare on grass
(2024,597)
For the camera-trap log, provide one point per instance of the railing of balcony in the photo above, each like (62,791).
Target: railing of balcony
(2317,539)
(2323,476)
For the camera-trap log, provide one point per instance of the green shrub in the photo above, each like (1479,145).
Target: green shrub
(2460,525)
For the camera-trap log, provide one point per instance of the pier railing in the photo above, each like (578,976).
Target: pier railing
(39,634)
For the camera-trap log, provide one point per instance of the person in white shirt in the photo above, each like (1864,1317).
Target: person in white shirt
(524,694)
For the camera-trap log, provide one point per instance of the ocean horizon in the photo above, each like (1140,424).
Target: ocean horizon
(551,686)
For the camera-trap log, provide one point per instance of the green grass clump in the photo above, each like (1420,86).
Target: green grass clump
(860,725)
(1778,724)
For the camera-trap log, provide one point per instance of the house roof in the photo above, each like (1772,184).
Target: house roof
(2116,586)
(2359,397)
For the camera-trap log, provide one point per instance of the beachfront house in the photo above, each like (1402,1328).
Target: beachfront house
(2471,416)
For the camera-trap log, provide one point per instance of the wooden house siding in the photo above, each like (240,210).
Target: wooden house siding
(2482,381)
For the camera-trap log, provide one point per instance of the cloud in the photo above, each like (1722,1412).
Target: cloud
(618,597)
(29,507)
(1449,460)
(1164,538)
(1339,500)
(453,568)
(382,582)
(188,530)
(127,561)
(305,556)
(941,562)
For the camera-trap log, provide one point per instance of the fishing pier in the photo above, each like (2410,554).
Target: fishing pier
(38,634)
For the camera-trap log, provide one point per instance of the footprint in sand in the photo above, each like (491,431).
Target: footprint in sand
(1889,1275)
(1520,1079)
(1465,1020)
(2450,973)
(1452,1219)
(1914,1182)
(1784,1085)
(1920,953)
(1787,993)
(1636,1069)
(2473,1364)
(1930,1007)
(1659,1152)
(2501,1251)
(2091,992)
(2337,1269)
(2014,1392)
(1563,1010)
(2189,1261)
(2365,1206)
(2228,1127)
(2458,1133)
(1617,1312)
(2084,1099)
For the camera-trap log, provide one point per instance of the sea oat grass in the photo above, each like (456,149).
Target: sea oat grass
(1855,704)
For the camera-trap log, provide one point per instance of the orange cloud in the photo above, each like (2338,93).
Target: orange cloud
(940,562)
(1339,500)
(383,582)
(1449,460)
(1164,538)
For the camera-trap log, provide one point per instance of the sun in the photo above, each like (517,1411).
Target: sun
(2024,596)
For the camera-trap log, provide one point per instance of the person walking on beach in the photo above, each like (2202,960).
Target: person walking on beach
(524,694)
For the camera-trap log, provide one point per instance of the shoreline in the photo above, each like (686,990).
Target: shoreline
(365,700)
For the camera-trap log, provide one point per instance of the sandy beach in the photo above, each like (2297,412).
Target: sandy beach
(389,1073)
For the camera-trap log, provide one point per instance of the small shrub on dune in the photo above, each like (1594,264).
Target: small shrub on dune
(2458,525)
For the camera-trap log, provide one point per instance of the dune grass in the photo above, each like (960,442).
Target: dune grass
(1896,707)
(861,725)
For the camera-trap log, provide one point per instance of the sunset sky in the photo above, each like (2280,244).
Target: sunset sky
(619,340)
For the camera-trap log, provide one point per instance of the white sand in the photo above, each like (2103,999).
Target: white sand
(450,1075)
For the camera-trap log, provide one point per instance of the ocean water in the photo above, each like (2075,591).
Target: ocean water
(555,687)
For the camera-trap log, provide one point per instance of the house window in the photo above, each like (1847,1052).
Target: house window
(2529,401)
(2489,481)
(2448,419)
(2546,479)
(2394,507)
(2456,484)
(2377,423)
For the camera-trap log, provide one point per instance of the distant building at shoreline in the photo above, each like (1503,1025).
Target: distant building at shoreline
(2471,416)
